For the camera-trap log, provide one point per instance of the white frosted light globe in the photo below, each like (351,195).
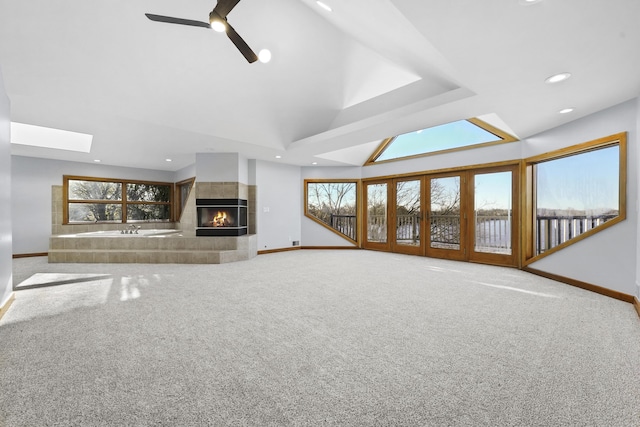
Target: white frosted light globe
(218,26)
(264,56)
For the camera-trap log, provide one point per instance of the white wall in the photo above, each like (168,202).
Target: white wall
(221,167)
(279,205)
(609,258)
(185,173)
(6,265)
(637,206)
(31,183)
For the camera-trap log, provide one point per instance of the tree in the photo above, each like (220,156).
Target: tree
(103,201)
(98,191)
(333,203)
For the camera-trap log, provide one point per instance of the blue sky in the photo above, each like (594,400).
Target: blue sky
(585,181)
(493,190)
(450,135)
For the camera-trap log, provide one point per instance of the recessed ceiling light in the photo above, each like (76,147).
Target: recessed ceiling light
(167,160)
(324,6)
(264,56)
(557,78)
(278,157)
(97,160)
(566,110)
(529,1)
(314,163)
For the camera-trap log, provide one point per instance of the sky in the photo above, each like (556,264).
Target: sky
(450,135)
(493,190)
(585,181)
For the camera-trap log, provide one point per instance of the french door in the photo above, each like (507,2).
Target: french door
(467,215)
(494,216)
(394,215)
(376,215)
(446,216)
(407,222)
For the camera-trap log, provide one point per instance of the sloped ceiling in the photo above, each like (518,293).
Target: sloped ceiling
(338,81)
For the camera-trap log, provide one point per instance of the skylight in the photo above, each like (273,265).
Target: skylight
(43,137)
(446,137)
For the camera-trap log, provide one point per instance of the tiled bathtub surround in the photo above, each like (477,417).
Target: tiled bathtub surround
(67,245)
(167,249)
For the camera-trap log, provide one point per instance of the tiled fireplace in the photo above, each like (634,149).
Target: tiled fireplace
(221,217)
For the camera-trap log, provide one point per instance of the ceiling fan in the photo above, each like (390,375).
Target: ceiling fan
(218,22)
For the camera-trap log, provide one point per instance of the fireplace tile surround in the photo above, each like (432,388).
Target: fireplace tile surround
(179,248)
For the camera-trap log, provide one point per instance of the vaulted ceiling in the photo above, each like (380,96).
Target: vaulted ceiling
(339,82)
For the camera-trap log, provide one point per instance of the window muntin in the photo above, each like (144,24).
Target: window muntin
(573,193)
(334,205)
(90,200)
(446,137)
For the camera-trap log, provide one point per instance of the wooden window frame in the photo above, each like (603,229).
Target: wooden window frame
(502,138)
(123,202)
(178,208)
(358,189)
(529,193)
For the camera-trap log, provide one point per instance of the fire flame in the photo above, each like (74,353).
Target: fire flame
(220,220)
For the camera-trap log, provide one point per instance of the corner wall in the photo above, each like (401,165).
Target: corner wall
(6,264)
(279,206)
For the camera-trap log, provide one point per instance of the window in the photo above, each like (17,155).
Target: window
(334,205)
(109,200)
(183,189)
(575,192)
(447,137)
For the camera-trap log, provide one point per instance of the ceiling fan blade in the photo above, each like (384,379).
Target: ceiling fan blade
(242,46)
(224,7)
(172,20)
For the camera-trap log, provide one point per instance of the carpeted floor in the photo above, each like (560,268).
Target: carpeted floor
(312,338)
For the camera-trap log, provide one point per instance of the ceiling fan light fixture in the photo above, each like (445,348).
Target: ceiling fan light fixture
(217,22)
(264,56)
